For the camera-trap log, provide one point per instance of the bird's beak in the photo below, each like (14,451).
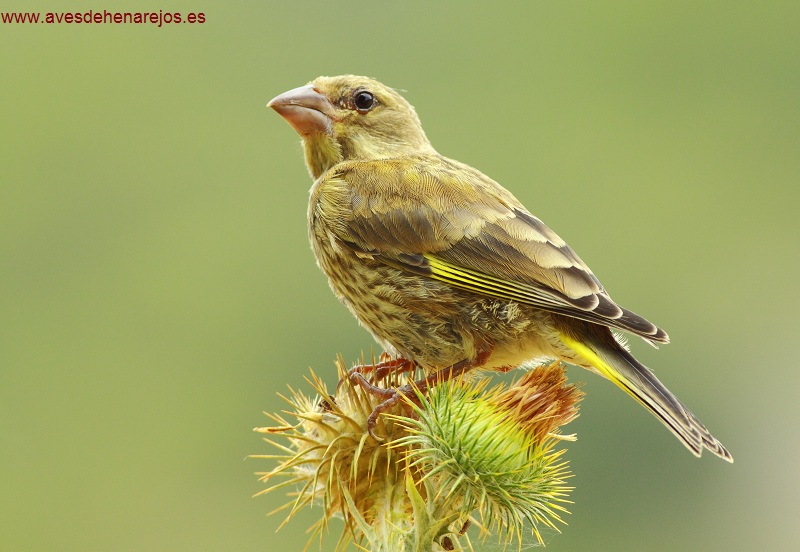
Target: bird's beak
(305,109)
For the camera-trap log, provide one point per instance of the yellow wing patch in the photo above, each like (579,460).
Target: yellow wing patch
(488,285)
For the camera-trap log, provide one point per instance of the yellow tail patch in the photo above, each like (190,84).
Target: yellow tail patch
(603,367)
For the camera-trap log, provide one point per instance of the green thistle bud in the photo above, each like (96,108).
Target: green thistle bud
(492,451)
(455,451)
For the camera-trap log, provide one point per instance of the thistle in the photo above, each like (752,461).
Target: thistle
(462,453)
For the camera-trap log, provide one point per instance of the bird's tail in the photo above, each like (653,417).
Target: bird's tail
(618,365)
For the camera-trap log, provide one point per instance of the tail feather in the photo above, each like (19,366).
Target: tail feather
(618,365)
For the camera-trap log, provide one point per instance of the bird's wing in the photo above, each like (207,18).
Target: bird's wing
(447,221)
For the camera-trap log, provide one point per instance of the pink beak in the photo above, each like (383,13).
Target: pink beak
(305,109)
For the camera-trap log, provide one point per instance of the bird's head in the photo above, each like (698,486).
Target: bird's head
(351,118)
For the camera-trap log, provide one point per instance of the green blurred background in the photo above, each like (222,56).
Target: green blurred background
(157,289)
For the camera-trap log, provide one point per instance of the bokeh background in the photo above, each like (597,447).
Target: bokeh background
(157,289)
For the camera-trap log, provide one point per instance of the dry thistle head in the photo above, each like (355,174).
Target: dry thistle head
(459,449)
(541,401)
(332,460)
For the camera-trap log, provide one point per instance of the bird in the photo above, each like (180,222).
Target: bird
(444,266)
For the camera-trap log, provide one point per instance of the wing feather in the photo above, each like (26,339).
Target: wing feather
(447,221)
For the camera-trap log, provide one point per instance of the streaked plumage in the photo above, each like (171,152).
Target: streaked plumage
(441,264)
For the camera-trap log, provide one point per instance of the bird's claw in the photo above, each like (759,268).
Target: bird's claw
(392,396)
(384,367)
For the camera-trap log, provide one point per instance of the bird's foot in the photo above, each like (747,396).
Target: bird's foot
(389,398)
(385,366)
(409,392)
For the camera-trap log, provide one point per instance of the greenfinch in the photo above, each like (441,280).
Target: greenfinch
(444,266)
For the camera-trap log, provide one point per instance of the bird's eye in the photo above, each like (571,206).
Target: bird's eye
(364,101)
